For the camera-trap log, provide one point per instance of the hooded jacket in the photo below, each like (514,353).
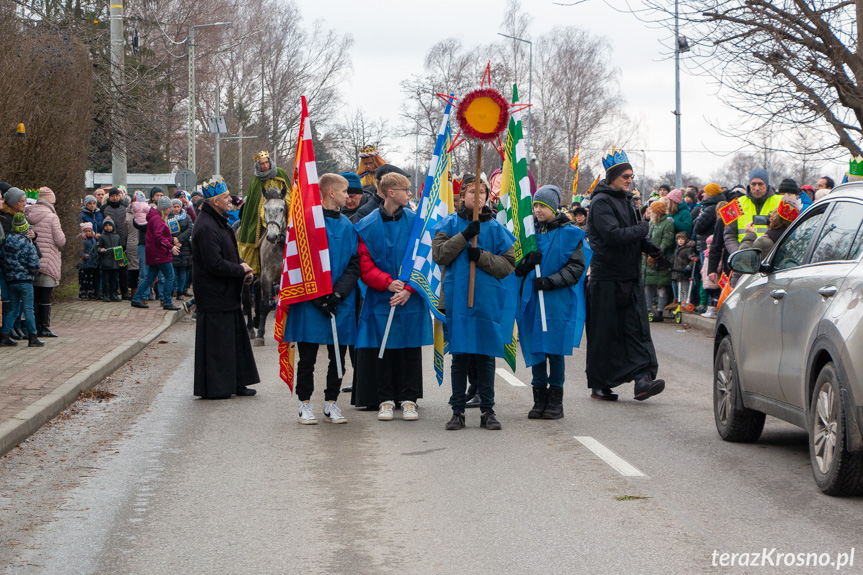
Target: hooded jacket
(19,259)
(49,236)
(96,218)
(159,242)
(108,241)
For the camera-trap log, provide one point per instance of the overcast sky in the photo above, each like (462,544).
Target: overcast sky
(392,37)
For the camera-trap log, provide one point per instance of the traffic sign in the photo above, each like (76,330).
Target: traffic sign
(185,179)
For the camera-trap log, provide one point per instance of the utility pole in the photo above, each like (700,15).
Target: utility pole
(218,155)
(680,46)
(190,164)
(118,140)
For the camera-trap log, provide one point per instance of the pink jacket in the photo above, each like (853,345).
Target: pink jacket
(50,237)
(140,210)
(159,241)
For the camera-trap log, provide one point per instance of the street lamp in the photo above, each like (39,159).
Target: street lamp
(680,46)
(191,162)
(529,83)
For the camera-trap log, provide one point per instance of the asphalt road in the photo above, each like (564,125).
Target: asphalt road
(173,484)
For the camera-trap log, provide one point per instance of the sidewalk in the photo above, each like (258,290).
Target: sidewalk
(95,339)
(695,320)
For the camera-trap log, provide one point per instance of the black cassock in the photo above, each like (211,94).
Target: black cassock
(224,360)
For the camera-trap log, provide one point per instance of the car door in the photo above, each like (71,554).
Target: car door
(812,288)
(760,350)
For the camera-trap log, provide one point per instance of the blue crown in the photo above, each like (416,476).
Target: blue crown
(215,188)
(615,158)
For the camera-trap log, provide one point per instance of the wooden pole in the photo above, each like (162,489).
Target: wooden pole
(476,185)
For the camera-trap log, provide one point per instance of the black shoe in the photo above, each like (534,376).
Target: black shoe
(246,392)
(540,399)
(125,297)
(105,298)
(46,332)
(554,408)
(171,307)
(6,340)
(115,298)
(646,387)
(179,297)
(489,421)
(473,401)
(603,393)
(347,389)
(140,304)
(14,335)
(657,318)
(20,333)
(33,341)
(456,423)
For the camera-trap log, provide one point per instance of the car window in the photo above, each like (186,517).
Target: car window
(795,244)
(839,233)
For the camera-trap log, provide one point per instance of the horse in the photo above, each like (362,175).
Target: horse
(271,254)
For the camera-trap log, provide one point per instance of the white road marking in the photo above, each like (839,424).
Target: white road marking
(610,457)
(509,378)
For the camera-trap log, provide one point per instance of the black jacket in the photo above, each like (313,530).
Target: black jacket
(616,235)
(571,271)
(371,205)
(184,258)
(109,241)
(216,263)
(705,225)
(366,198)
(349,278)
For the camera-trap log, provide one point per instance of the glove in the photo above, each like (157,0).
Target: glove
(533,258)
(471,231)
(473,253)
(652,249)
(542,284)
(327,304)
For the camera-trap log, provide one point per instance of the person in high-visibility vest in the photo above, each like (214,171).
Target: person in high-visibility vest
(756,205)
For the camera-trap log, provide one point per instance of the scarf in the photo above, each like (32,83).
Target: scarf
(264,176)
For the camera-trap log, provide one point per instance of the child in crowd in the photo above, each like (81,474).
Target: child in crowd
(20,263)
(91,213)
(88,269)
(560,255)
(181,226)
(109,263)
(681,271)
(710,287)
(479,334)
(309,322)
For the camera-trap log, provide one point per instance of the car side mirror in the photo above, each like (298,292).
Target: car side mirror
(746,261)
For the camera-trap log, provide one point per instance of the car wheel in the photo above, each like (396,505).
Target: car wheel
(733,421)
(837,471)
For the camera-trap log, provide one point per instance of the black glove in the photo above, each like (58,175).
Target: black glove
(471,231)
(473,253)
(542,284)
(533,259)
(651,248)
(327,304)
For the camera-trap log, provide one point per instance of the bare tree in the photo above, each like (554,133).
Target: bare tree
(355,131)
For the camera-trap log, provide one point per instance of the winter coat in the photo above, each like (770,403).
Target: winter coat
(108,241)
(372,204)
(132,241)
(49,236)
(216,263)
(682,220)
(705,224)
(6,215)
(190,211)
(705,273)
(184,235)
(91,251)
(19,258)
(683,259)
(96,218)
(159,241)
(731,231)
(661,234)
(364,199)
(117,212)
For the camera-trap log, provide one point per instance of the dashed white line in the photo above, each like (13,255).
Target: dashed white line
(618,463)
(509,378)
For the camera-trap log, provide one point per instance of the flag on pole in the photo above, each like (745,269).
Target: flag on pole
(306,268)
(515,210)
(574,165)
(418,268)
(593,185)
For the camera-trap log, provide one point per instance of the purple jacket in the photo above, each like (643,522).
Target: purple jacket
(159,242)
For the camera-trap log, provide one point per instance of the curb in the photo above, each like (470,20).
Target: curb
(27,421)
(695,320)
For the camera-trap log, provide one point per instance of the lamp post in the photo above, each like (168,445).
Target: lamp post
(191,161)
(529,84)
(680,46)
(118,121)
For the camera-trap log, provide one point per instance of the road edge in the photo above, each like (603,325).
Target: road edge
(695,320)
(27,421)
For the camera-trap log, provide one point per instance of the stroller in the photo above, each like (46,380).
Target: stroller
(686,304)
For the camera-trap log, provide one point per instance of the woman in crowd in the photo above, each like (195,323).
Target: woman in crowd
(50,239)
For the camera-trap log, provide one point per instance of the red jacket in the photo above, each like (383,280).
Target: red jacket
(373,276)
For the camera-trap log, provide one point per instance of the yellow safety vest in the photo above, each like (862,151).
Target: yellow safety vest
(747,206)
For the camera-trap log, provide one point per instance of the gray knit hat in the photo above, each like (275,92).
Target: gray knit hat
(88,199)
(164,203)
(13,196)
(549,196)
(176,201)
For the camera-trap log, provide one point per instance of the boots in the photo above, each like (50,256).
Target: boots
(33,341)
(43,320)
(554,408)
(540,400)
(6,340)
(673,305)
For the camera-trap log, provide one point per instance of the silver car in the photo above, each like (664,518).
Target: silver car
(789,340)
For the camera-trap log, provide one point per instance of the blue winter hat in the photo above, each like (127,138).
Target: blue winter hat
(760,174)
(354,184)
(549,196)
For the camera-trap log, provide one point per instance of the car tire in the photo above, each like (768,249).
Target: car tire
(836,470)
(733,421)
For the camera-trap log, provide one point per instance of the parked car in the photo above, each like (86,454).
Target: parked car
(789,340)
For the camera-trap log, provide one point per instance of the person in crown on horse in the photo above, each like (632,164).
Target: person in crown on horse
(370,161)
(252,228)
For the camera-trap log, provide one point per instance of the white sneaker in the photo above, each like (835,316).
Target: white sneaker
(385,412)
(409,411)
(305,415)
(333,414)
(710,313)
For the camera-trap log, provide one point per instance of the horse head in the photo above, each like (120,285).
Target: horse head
(275,215)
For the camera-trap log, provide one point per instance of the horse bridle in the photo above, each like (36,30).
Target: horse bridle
(281,238)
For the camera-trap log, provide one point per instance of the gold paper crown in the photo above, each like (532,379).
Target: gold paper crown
(368,151)
(261,154)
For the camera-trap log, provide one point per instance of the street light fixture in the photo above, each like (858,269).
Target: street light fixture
(191,161)
(529,83)
(680,46)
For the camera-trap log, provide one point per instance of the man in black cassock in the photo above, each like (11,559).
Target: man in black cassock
(619,347)
(224,363)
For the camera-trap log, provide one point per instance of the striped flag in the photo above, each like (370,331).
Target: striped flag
(516,204)
(418,269)
(574,165)
(306,268)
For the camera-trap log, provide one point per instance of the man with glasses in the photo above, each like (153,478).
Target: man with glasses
(619,346)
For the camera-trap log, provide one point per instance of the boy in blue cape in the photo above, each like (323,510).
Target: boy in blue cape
(562,263)
(309,322)
(397,376)
(477,333)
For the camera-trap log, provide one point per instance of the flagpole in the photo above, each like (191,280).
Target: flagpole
(541,302)
(336,346)
(387,332)
(476,185)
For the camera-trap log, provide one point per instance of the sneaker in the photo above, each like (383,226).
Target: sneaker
(488,421)
(333,414)
(710,313)
(187,306)
(305,415)
(409,411)
(456,423)
(700,309)
(385,411)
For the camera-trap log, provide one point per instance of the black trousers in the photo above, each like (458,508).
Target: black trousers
(306,371)
(124,280)
(87,279)
(396,377)
(110,280)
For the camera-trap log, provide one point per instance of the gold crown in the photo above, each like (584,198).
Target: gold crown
(261,154)
(368,151)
